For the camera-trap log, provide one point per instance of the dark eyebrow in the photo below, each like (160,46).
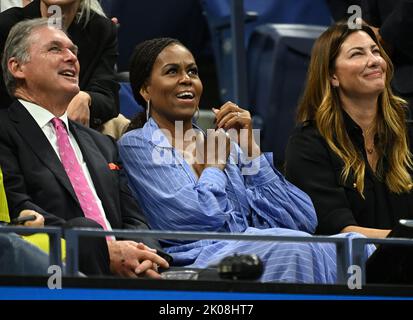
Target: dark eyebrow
(361,48)
(177,65)
(170,65)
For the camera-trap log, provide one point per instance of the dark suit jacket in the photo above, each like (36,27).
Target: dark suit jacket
(338,8)
(98,51)
(395,20)
(34,177)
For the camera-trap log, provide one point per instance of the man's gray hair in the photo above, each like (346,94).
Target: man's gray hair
(17,46)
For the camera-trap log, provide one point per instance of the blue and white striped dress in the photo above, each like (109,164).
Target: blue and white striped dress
(173,198)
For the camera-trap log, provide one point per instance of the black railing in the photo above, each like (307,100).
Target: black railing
(72,236)
(71,268)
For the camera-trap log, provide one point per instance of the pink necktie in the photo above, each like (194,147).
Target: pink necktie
(76,176)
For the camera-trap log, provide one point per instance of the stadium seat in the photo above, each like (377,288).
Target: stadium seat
(278,57)
(257,12)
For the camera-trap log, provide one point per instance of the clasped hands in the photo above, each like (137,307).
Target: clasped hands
(131,259)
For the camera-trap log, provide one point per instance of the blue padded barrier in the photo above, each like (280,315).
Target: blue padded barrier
(128,105)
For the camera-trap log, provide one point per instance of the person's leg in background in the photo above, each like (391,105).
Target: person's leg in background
(19,257)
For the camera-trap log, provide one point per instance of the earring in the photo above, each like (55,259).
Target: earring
(148,109)
(196,114)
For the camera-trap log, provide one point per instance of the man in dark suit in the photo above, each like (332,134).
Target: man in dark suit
(96,37)
(42,72)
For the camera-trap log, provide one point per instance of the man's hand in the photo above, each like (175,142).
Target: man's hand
(132,259)
(38,223)
(78,109)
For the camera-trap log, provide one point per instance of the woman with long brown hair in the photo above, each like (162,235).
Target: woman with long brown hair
(351,151)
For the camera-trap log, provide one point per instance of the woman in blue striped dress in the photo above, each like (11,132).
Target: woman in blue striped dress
(188,181)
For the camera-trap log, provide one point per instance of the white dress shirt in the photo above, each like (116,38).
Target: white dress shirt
(43,118)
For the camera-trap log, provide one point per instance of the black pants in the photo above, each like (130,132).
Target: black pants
(93,251)
(392,264)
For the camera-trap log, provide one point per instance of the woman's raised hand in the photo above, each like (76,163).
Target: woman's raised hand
(231,117)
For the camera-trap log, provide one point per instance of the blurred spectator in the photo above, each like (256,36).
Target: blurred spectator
(18,257)
(393,24)
(6,4)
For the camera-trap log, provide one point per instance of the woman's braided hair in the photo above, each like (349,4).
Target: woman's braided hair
(140,69)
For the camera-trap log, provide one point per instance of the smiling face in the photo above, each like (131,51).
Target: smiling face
(52,71)
(174,88)
(360,70)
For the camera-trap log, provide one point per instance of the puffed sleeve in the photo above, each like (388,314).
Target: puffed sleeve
(274,201)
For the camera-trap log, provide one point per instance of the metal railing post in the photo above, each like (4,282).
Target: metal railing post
(238,53)
(72,252)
